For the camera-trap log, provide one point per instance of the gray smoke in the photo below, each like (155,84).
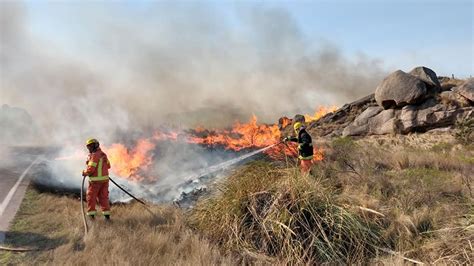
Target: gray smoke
(127,73)
(16,124)
(183,64)
(177,168)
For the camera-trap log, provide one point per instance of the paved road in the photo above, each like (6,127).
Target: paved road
(14,178)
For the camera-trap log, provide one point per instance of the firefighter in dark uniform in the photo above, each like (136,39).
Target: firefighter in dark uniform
(305,146)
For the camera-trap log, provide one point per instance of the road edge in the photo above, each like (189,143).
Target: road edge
(13,200)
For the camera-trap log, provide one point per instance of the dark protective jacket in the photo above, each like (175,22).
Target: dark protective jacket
(305,145)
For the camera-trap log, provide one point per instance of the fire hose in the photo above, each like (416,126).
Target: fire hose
(86,227)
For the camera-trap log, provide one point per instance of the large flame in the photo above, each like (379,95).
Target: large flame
(241,136)
(320,112)
(133,162)
(129,163)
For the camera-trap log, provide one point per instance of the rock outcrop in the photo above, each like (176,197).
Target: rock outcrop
(454,99)
(400,89)
(428,76)
(466,90)
(419,110)
(403,103)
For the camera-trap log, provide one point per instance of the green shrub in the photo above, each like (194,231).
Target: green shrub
(464,132)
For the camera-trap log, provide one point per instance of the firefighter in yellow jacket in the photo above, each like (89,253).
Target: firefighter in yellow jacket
(305,146)
(98,172)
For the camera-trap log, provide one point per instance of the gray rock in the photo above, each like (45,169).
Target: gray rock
(372,121)
(454,99)
(466,89)
(408,118)
(388,127)
(354,130)
(428,116)
(383,123)
(411,118)
(438,116)
(400,89)
(428,76)
(370,112)
(360,125)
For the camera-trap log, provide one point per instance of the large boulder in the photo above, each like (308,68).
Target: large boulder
(466,89)
(355,130)
(428,76)
(373,121)
(400,89)
(383,123)
(360,125)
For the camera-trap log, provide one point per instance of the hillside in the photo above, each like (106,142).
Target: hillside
(436,102)
(394,185)
(381,199)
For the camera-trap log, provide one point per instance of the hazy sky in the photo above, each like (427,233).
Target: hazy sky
(401,34)
(83,68)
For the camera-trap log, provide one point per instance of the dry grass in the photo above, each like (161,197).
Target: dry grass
(448,83)
(281,214)
(425,195)
(402,201)
(133,238)
(370,201)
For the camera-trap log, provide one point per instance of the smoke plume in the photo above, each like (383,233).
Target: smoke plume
(184,64)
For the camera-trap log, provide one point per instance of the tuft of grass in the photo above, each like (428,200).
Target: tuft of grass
(442,147)
(464,133)
(280,213)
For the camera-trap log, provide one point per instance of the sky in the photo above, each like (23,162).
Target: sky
(139,65)
(401,34)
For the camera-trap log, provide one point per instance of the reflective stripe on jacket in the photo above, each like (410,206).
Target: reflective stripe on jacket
(98,166)
(305,145)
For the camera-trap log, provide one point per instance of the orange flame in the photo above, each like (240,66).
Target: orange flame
(241,136)
(128,163)
(161,136)
(284,122)
(133,162)
(320,112)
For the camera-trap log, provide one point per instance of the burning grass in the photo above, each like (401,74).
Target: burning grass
(367,201)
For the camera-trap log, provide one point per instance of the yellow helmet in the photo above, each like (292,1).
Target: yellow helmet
(297,125)
(90,141)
